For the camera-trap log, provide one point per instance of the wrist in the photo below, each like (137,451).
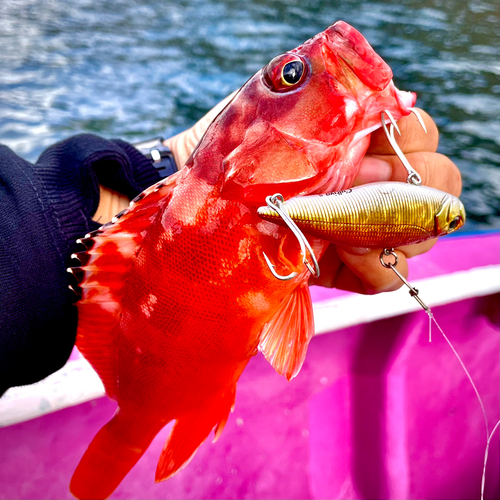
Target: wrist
(160,154)
(181,146)
(143,155)
(110,203)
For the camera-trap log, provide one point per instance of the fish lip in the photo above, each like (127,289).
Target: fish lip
(406,100)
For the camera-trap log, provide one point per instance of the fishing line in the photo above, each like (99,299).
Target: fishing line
(389,252)
(466,373)
(483,480)
(414,178)
(488,437)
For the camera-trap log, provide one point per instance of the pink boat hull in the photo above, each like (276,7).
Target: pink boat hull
(376,412)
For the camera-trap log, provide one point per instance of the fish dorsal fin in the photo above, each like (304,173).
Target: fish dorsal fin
(285,338)
(105,265)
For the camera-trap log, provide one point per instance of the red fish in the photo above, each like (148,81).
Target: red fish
(176,293)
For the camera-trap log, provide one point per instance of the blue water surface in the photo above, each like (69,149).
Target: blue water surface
(138,68)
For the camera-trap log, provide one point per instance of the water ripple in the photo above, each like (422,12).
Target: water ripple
(135,69)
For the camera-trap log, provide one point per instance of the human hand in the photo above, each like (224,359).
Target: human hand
(359,269)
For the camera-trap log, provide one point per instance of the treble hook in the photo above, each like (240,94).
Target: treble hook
(275,274)
(413,176)
(275,203)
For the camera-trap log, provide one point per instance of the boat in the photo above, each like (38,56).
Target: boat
(381,408)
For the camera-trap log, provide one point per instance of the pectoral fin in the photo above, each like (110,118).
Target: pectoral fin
(285,338)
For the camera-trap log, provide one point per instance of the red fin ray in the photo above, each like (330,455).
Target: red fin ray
(285,338)
(189,433)
(115,449)
(104,268)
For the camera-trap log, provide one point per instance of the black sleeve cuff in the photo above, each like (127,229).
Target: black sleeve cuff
(44,209)
(72,170)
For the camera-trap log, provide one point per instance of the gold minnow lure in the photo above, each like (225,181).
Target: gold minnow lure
(382,214)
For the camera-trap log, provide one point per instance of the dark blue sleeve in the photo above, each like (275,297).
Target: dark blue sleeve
(44,209)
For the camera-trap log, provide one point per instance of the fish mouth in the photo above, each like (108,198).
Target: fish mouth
(405,101)
(363,133)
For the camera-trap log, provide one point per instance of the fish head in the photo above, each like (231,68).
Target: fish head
(301,125)
(450,215)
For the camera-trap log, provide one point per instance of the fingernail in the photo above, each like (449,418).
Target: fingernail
(373,170)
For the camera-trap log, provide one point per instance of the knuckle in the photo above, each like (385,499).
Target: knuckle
(438,171)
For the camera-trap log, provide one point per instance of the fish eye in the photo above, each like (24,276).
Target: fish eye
(454,223)
(292,72)
(285,72)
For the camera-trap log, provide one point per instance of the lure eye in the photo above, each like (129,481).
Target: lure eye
(454,223)
(285,72)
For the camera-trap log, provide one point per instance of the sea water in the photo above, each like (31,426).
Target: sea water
(135,69)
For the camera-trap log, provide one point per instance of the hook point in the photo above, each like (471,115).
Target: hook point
(275,274)
(391,119)
(419,118)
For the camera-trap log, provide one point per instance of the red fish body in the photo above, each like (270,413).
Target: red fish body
(176,293)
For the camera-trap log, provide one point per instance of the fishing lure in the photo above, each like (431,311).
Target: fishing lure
(380,215)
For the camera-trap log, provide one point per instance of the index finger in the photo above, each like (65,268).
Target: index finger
(413,137)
